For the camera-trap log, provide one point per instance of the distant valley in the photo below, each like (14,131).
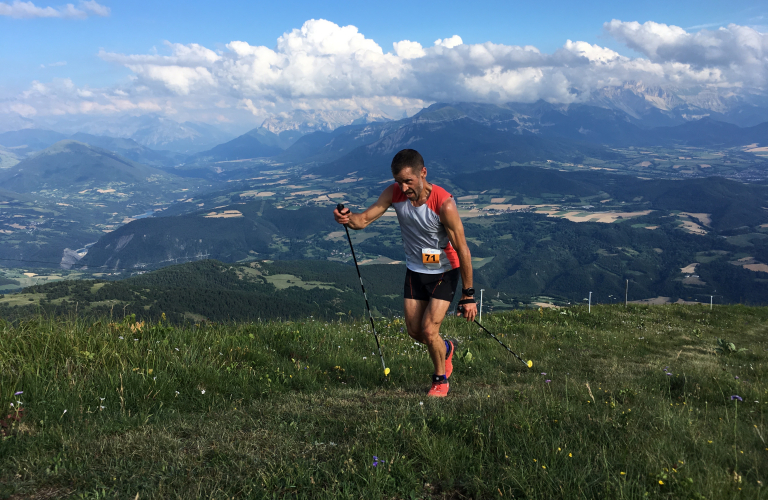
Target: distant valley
(641,202)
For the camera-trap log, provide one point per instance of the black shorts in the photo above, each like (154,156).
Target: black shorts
(422,286)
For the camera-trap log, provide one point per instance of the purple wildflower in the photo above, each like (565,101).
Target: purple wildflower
(543,373)
(375,461)
(669,374)
(736,398)
(736,377)
(17,393)
(547,381)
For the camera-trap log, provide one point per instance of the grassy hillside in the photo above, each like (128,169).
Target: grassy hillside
(620,403)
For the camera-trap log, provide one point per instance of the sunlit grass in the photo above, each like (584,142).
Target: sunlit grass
(620,403)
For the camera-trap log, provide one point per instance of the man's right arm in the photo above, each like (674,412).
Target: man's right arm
(361,220)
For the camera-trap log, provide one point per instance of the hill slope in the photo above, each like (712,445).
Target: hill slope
(230,233)
(73,165)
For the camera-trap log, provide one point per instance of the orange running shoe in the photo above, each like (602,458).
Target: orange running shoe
(439,389)
(449,359)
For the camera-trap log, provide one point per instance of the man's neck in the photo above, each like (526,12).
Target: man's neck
(422,199)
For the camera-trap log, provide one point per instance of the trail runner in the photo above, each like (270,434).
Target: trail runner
(436,254)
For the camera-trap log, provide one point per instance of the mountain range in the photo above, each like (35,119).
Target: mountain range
(70,165)
(153,131)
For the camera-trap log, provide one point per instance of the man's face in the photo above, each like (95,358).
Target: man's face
(411,182)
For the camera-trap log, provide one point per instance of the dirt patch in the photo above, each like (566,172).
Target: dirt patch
(545,305)
(656,301)
(693,280)
(704,219)
(693,228)
(498,200)
(689,269)
(604,217)
(226,214)
(308,193)
(758,268)
(500,206)
(334,235)
(751,264)
(262,194)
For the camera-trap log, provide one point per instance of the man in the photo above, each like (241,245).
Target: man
(435,253)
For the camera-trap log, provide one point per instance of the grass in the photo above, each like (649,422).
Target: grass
(620,403)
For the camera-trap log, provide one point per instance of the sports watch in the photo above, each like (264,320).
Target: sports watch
(469,292)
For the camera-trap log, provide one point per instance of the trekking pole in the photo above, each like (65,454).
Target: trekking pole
(340,207)
(528,363)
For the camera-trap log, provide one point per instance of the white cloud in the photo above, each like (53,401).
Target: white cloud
(408,49)
(26,10)
(733,44)
(739,52)
(54,65)
(449,43)
(96,8)
(324,66)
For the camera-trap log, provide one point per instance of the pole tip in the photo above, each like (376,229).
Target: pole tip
(386,371)
(529,363)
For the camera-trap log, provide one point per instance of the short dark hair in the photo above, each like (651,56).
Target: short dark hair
(407,158)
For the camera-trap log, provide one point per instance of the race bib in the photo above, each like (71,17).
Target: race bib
(430,257)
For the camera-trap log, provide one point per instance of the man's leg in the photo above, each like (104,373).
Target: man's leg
(423,320)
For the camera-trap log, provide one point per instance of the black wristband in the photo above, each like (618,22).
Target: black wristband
(467,301)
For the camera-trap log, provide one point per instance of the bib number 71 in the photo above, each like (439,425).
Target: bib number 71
(430,257)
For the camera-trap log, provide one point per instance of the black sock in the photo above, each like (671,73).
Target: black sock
(447,348)
(439,379)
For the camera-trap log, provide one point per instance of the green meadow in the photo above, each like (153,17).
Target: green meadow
(637,402)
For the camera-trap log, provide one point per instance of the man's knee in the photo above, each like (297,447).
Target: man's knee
(430,331)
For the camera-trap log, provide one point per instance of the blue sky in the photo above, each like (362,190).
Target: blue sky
(44,49)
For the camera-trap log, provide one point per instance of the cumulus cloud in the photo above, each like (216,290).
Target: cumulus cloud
(741,50)
(724,46)
(26,10)
(326,66)
(449,43)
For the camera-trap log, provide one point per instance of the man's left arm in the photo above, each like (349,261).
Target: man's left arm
(449,217)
